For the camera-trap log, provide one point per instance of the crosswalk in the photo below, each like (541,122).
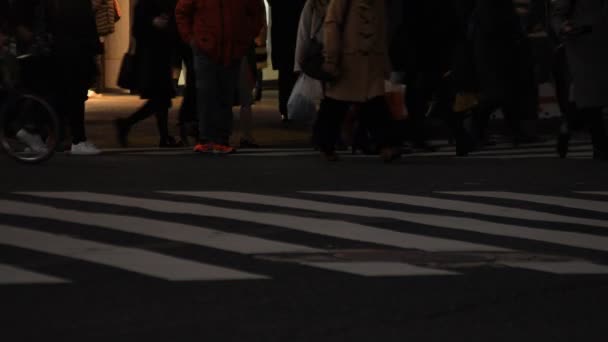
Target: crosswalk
(236,236)
(579,149)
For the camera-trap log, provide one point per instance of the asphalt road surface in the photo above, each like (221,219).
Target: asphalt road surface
(510,244)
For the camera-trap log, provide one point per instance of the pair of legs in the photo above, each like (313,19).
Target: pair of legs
(187,113)
(216,86)
(158,107)
(372,114)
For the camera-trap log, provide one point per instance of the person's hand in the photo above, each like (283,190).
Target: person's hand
(161,22)
(331,69)
(259,41)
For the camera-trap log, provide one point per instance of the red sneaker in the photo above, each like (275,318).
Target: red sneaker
(203,148)
(223,149)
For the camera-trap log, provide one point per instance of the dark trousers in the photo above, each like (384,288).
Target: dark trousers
(75,74)
(287,80)
(157,107)
(216,89)
(594,118)
(372,115)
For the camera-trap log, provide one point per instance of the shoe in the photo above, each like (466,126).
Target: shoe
(223,149)
(563,141)
(170,142)
(122,131)
(203,148)
(389,154)
(330,156)
(85,148)
(246,143)
(33,141)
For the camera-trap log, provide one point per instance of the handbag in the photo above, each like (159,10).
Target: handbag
(127,75)
(313,60)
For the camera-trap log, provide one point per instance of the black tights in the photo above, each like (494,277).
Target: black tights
(373,115)
(158,108)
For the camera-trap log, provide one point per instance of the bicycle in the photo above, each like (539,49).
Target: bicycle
(29,126)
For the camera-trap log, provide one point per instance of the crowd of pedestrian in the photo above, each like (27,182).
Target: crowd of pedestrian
(458,60)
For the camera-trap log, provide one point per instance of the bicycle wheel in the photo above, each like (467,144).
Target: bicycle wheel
(29,129)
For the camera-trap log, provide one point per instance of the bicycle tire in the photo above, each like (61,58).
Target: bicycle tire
(46,111)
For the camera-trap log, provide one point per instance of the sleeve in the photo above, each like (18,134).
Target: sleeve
(304,29)
(333,35)
(184,17)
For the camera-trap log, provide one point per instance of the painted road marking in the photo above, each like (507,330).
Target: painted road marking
(566,202)
(159,229)
(130,259)
(324,227)
(569,267)
(10,275)
(571,239)
(380,269)
(466,207)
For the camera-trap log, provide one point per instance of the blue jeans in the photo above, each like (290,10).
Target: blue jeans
(216,88)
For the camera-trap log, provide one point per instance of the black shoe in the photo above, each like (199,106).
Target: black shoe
(122,131)
(563,140)
(170,142)
(330,156)
(389,154)
(246,143)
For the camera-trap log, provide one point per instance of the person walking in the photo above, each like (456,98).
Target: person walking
(156,42)
(285,17)
(504,66)
(221,33)
(65,65)
(355,44)
(583,26)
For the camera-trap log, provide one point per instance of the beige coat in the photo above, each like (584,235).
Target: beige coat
(356,50)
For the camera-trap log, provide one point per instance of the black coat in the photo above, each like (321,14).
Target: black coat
(503,58)
(156,50)
(285,18)
(421,34)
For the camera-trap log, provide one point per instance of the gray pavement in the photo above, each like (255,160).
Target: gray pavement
(275,244)
(268,130)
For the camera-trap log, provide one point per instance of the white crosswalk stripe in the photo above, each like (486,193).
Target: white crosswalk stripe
(566,202)
(380,269)
(415,255)
(467,207)
(135,260)
(569,267)
(10,275)
(571,239)
(600,193)
(159,229)
(333,228)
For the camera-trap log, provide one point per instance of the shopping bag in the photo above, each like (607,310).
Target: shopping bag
(302,104)
(395,99)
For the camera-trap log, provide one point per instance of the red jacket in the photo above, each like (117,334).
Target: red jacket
(222,29)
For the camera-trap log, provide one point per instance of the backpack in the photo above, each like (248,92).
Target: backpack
(313,60)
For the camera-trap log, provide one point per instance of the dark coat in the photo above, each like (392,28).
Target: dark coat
(156,50)
(285,18)
(587,52)
(503,59)
(421,34)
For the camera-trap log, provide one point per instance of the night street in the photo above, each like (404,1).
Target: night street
(278,245)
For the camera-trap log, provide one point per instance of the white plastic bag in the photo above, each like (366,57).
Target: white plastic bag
(302,104)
